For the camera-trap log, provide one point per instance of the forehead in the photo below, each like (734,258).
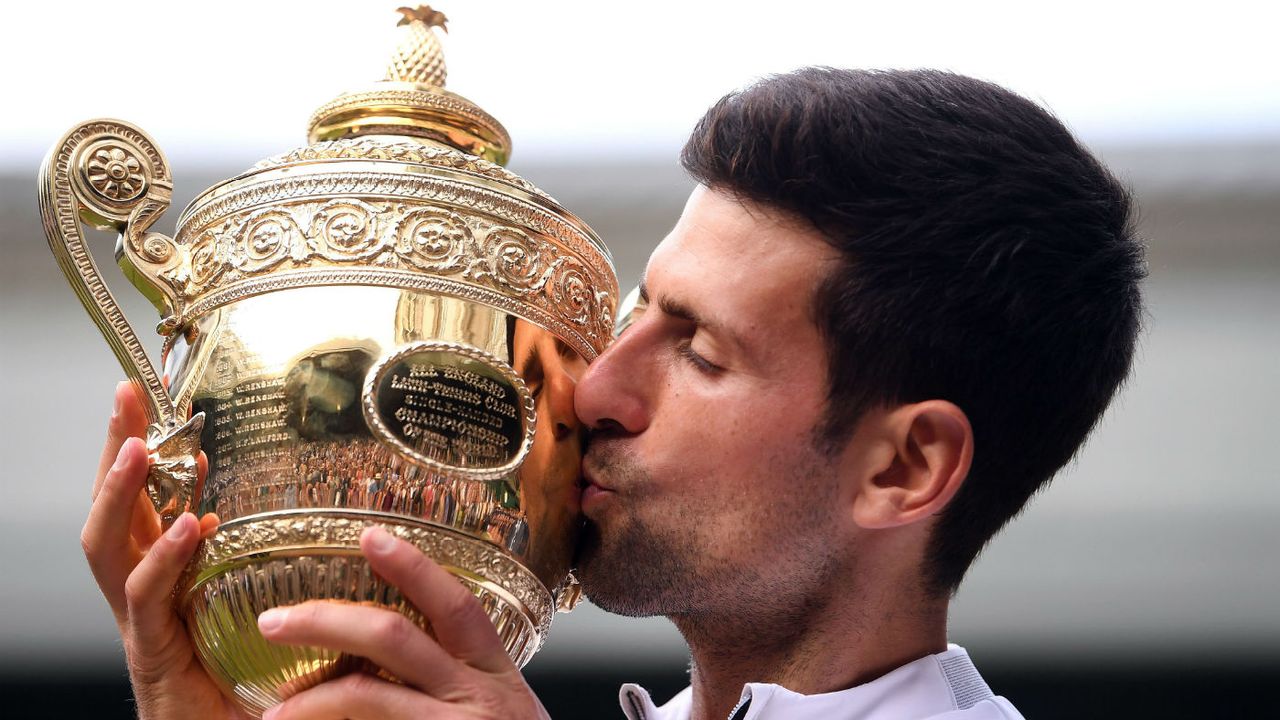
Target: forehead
(747,266)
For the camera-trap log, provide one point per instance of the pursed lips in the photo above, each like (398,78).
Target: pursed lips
(593,491)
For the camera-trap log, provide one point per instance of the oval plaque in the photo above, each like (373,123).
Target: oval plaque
(451,407)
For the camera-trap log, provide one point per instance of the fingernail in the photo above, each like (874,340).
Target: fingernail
(181,528)
(270,712)
(271,619)
(115,399)
(380,541)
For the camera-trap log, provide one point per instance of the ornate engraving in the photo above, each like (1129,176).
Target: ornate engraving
(115,171)
(415,190)
(432,239)
(346,230)
(540,261)
(509,259)
(337,529)
(570,294)
(404,151)
(208,258)
(262,240)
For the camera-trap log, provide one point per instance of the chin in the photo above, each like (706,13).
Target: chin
(630,573)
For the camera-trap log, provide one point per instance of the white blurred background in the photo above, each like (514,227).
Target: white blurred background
(1156,547)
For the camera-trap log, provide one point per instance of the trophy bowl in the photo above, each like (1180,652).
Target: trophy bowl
(383,327)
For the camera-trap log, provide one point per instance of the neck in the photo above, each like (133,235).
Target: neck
(824,648)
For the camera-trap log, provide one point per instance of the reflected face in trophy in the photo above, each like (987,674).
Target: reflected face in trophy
(549,476)
(706,491)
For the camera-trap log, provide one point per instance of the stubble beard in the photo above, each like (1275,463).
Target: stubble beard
(635,570)
(640,568)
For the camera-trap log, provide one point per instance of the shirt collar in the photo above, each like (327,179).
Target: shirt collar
(932,685)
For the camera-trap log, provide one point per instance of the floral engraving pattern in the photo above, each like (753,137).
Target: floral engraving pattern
(262,241)
(515,259)
(345,230)
(432,239)
(115,172)
(418,190)
(364,233)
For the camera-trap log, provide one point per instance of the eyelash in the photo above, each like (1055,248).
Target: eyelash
(687,352)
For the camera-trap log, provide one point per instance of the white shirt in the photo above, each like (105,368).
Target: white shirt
(945,686)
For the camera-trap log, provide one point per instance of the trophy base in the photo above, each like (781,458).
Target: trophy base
(284,558)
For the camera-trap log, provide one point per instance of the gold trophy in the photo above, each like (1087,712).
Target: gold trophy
(382,327)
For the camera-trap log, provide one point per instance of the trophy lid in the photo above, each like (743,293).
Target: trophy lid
(411,99)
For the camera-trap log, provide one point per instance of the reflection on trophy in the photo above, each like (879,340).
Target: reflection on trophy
(384,326)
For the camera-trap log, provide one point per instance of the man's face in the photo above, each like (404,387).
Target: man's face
(706,490)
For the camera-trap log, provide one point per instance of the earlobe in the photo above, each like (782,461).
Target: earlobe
(932,449)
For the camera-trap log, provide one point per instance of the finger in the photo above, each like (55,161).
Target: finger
(149,589)
(145,525)
(127,420)
(462,627)
(105,537)
(389,639)
(202,472)
(208,524)
(359,697)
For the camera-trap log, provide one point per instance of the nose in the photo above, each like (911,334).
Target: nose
(616,390)
(560,389)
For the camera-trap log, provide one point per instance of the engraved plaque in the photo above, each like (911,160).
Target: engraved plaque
(451,407)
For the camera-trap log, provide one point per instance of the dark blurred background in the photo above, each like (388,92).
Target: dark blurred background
(1143,583)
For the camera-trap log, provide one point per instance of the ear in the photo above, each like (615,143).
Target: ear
(926,450)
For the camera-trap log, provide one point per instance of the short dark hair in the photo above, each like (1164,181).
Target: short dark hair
(989,260)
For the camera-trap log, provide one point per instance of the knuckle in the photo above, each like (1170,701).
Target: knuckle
(492,704)
(413,559)
(392,629)
(87,545)
(135,589)
(461,606)
(115,427)
(355,689)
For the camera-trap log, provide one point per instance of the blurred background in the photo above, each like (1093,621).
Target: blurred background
(1143,581)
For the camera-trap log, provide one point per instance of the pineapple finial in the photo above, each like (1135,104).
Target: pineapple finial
(418,57)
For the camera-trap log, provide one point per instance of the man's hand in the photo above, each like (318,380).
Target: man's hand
(463,672)
(136,568)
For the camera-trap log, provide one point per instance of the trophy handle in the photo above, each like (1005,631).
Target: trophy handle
(110,175)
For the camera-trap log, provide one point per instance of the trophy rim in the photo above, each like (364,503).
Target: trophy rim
(304,531)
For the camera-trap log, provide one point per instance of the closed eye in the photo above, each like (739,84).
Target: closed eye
(686,351)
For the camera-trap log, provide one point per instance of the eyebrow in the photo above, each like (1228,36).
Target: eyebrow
(677,309)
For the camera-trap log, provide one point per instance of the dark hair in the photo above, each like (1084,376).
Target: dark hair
(989,260)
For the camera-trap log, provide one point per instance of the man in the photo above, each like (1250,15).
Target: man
(892,310)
